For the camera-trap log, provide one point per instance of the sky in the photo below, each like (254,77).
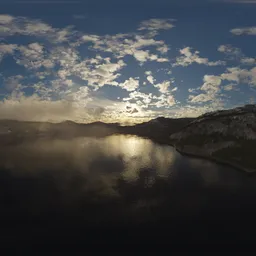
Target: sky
(125,61)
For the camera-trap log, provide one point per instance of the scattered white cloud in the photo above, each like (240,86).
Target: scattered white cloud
(33,57)
(248,61)
(210,89)
(151,79)
(7,49)
(240,76)
(188,58)
(121,45)
(229,87)
(244,31)
(5,19)
(164,86)
(211,86)
(156,24)
(148,73)
(163,49)
(171,100)
(12,83)
(235,54)
(230,50)
(130,85)
(10,25)
(67,81)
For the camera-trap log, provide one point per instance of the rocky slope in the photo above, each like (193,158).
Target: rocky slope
(227,136)
(158,129)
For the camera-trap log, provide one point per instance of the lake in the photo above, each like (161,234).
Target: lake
(58,190)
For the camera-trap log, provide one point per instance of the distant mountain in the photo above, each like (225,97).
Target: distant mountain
(227,136)
(13,132)
(158,129)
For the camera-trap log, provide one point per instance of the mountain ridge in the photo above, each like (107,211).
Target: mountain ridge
(225,136)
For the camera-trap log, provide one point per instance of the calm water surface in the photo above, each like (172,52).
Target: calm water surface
(117,181)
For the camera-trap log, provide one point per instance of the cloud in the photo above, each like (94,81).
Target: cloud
(13,83)
(235,54)
(5,19)
(90,38)
(163,101)
(6,49)
(211,86)
(156,24)
(130,85)
(189,58)
(150,79)
(248,61)
(148,73)
(121,45)
(164,86)
(144,98)
(33,57)
(210,89)
(143,56)
(230,51)
(171,101)
(10,26)
(163,49)
(240,76)
(229,87)
(244,31)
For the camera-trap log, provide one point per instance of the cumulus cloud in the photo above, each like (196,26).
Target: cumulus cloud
(130,85)
(5,19)
(210,88)
(151,79)
(164,86)
(240,76)
(188,58)
(121,45)
(171,100)
(143,99)
(33,57)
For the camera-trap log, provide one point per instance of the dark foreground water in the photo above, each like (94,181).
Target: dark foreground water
(120,190)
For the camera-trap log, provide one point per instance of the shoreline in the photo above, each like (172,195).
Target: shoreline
(164,141)
(215,160)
